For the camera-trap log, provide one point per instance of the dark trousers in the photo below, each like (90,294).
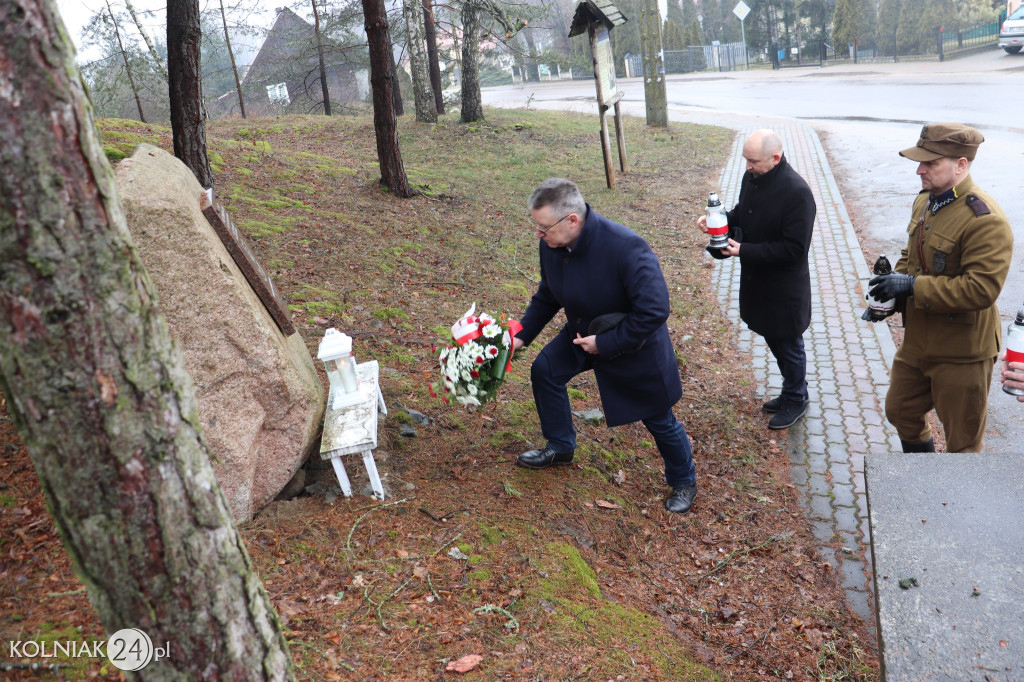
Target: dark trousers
(555,413)
(792,361)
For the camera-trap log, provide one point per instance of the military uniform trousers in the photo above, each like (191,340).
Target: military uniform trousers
(957,391)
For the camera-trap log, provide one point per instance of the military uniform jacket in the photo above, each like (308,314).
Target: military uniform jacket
(773,222)
(961,256)
(610,269)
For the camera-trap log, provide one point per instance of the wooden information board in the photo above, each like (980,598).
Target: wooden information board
(604,68)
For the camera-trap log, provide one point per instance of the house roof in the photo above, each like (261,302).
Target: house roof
(279,42)
(288,44)
(595,11)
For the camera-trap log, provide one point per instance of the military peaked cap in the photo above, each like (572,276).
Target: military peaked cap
(952,140)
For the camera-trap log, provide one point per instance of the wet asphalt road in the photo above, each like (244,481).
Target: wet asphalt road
(864,114)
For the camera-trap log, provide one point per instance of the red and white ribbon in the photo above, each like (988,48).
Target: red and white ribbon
(467,328)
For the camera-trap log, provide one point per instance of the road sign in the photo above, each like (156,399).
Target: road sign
(741,10)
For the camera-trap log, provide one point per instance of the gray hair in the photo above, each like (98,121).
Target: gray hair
(563,196)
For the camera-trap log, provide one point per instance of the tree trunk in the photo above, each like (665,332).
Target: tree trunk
(435,67)
(184,83)
(472,101)
(98,390)
(385,124)
(320,57)
(396,89)
(161,69)
(422,92)
(531,60)
(231,55)
(127,65)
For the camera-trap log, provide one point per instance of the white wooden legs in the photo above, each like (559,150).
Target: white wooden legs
(371,472)
(339,471)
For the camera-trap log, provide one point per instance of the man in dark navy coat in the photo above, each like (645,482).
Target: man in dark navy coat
(598,270)
(770,232)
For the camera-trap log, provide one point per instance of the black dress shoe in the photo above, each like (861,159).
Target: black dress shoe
(773,405)
(681,499)
(927,446)
(543,458)
(788,414)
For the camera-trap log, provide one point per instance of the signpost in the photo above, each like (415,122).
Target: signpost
(741,10)
(597,17)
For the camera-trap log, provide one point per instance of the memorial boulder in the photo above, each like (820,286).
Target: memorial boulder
(260,399)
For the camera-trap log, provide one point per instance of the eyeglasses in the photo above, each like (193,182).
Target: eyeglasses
(544,230)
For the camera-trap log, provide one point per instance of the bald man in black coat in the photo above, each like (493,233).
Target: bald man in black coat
(770,232)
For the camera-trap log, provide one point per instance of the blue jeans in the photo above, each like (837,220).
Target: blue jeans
(556,423)
(792,361)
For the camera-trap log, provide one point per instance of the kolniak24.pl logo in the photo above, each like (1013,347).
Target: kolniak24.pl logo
(127,649)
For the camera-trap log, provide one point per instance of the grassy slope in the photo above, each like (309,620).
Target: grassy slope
(553,586)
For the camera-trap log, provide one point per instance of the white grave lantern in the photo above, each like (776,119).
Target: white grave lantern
(336,354)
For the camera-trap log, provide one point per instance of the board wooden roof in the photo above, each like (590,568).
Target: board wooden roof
(595,11)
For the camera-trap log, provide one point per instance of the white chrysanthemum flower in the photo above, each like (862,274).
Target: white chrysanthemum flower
(468,400)
(491,331)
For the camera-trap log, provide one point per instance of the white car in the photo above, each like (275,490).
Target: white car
(1011,33)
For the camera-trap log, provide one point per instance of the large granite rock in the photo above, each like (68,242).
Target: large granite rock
(260,399)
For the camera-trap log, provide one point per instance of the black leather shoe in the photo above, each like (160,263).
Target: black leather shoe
(788,414)
(927,446)
(773,405)
(543,458)
(681,499)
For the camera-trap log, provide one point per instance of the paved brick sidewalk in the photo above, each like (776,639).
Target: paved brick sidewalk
(847,367)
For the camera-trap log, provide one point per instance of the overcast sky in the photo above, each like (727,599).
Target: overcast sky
(152,14)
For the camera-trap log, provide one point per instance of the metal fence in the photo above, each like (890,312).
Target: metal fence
(695,58)
(961,40)
(939,43)
(634,66)
(885,47)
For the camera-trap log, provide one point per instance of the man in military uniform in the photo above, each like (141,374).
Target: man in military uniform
(946,284)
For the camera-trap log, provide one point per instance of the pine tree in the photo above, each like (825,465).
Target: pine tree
(853,20)
(671,36)
(888,26)
(919,24)
(625,39)
(691,37)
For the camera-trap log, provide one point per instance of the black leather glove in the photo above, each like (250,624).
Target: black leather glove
(892,286)
(716,253)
